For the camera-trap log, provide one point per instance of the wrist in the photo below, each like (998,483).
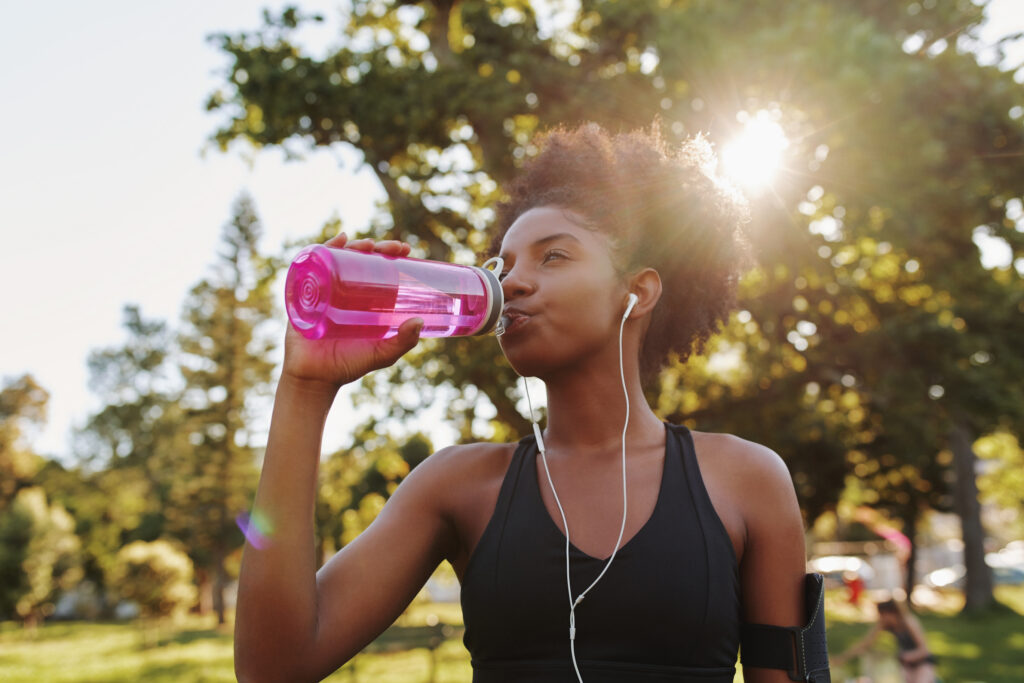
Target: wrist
(309,388)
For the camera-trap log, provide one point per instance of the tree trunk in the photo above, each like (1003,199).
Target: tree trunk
(910,530)
(978,590)
(220,581)
(205,590)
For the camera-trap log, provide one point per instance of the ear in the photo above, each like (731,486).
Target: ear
(646,284)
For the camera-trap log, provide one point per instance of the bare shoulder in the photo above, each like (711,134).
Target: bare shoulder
(466,480)
(750,481)
(467,463)
(462,477)
(742,460)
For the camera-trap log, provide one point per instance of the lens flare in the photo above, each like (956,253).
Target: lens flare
(256,528)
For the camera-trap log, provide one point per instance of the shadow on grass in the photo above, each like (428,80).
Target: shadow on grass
(976,648)
(182,672)
(192,636)
(162,634)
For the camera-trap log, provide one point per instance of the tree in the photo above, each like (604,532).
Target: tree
(226,363)
(1002,484)
(156,576)
(355,482)
(892,219)
(134,384)
(118,491)
(22,407)
(870,317)
(38,555)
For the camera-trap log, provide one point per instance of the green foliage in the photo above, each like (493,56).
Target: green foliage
(355,482)
(134,384)
(22,407)
(1002,481)
(155,575)
(118,490)
(39,555)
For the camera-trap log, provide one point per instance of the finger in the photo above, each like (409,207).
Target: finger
(392,248)
(364,244)
(337,242)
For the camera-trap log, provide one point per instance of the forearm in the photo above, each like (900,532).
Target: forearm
(276,620)
(915,656)
(857,649)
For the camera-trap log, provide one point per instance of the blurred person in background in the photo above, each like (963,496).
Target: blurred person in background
(916,660)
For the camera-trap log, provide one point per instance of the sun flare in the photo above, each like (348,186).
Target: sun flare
(753,158)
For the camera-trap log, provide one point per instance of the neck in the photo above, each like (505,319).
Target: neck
(587,408)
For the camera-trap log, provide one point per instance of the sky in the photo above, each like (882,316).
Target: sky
(110,192)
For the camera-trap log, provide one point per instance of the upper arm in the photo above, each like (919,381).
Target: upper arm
(917,631)
(363,588)
(773,565)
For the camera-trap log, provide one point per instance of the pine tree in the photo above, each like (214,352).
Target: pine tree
(225,365)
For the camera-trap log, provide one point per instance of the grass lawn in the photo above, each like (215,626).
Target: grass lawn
(989,649)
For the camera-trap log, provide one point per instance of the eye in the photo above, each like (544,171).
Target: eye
(553,254)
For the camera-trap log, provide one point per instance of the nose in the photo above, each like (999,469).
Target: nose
(515,283)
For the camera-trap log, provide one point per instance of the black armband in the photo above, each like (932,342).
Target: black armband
(799,650)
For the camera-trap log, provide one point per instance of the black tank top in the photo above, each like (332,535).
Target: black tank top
(668,609)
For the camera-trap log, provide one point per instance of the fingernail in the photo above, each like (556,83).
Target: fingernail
(418,325)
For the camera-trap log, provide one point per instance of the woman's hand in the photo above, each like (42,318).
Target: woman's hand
(330,363)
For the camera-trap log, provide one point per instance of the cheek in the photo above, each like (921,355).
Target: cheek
(584,324)
(594,299)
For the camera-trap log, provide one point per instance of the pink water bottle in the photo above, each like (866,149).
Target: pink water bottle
(349,293)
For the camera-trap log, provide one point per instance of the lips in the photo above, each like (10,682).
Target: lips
(514,319)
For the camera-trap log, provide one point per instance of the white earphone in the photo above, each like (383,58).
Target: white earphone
(632,301)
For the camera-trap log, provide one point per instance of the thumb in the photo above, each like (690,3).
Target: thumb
(408,335)
(390,350)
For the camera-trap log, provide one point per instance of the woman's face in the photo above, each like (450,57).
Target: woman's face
(563,297)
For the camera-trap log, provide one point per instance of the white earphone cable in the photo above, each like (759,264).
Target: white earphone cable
(565,524)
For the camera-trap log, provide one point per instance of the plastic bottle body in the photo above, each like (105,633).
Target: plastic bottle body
(337,293)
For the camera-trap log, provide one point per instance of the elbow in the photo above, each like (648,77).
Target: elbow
(244,675)
(256,664)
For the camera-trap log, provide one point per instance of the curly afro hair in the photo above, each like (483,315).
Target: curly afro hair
(661,208)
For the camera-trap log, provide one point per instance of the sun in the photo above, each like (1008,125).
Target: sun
(752,159)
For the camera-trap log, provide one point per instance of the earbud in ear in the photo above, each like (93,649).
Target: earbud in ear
(631,301)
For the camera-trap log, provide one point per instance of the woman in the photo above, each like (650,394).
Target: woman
(916,660)
(711,536)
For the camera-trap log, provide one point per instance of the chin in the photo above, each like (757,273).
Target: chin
(540,364)
(528,364)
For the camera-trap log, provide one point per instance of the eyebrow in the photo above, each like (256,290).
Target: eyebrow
(550,238)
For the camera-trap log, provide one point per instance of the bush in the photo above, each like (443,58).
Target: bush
(156,576)
(39,556)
